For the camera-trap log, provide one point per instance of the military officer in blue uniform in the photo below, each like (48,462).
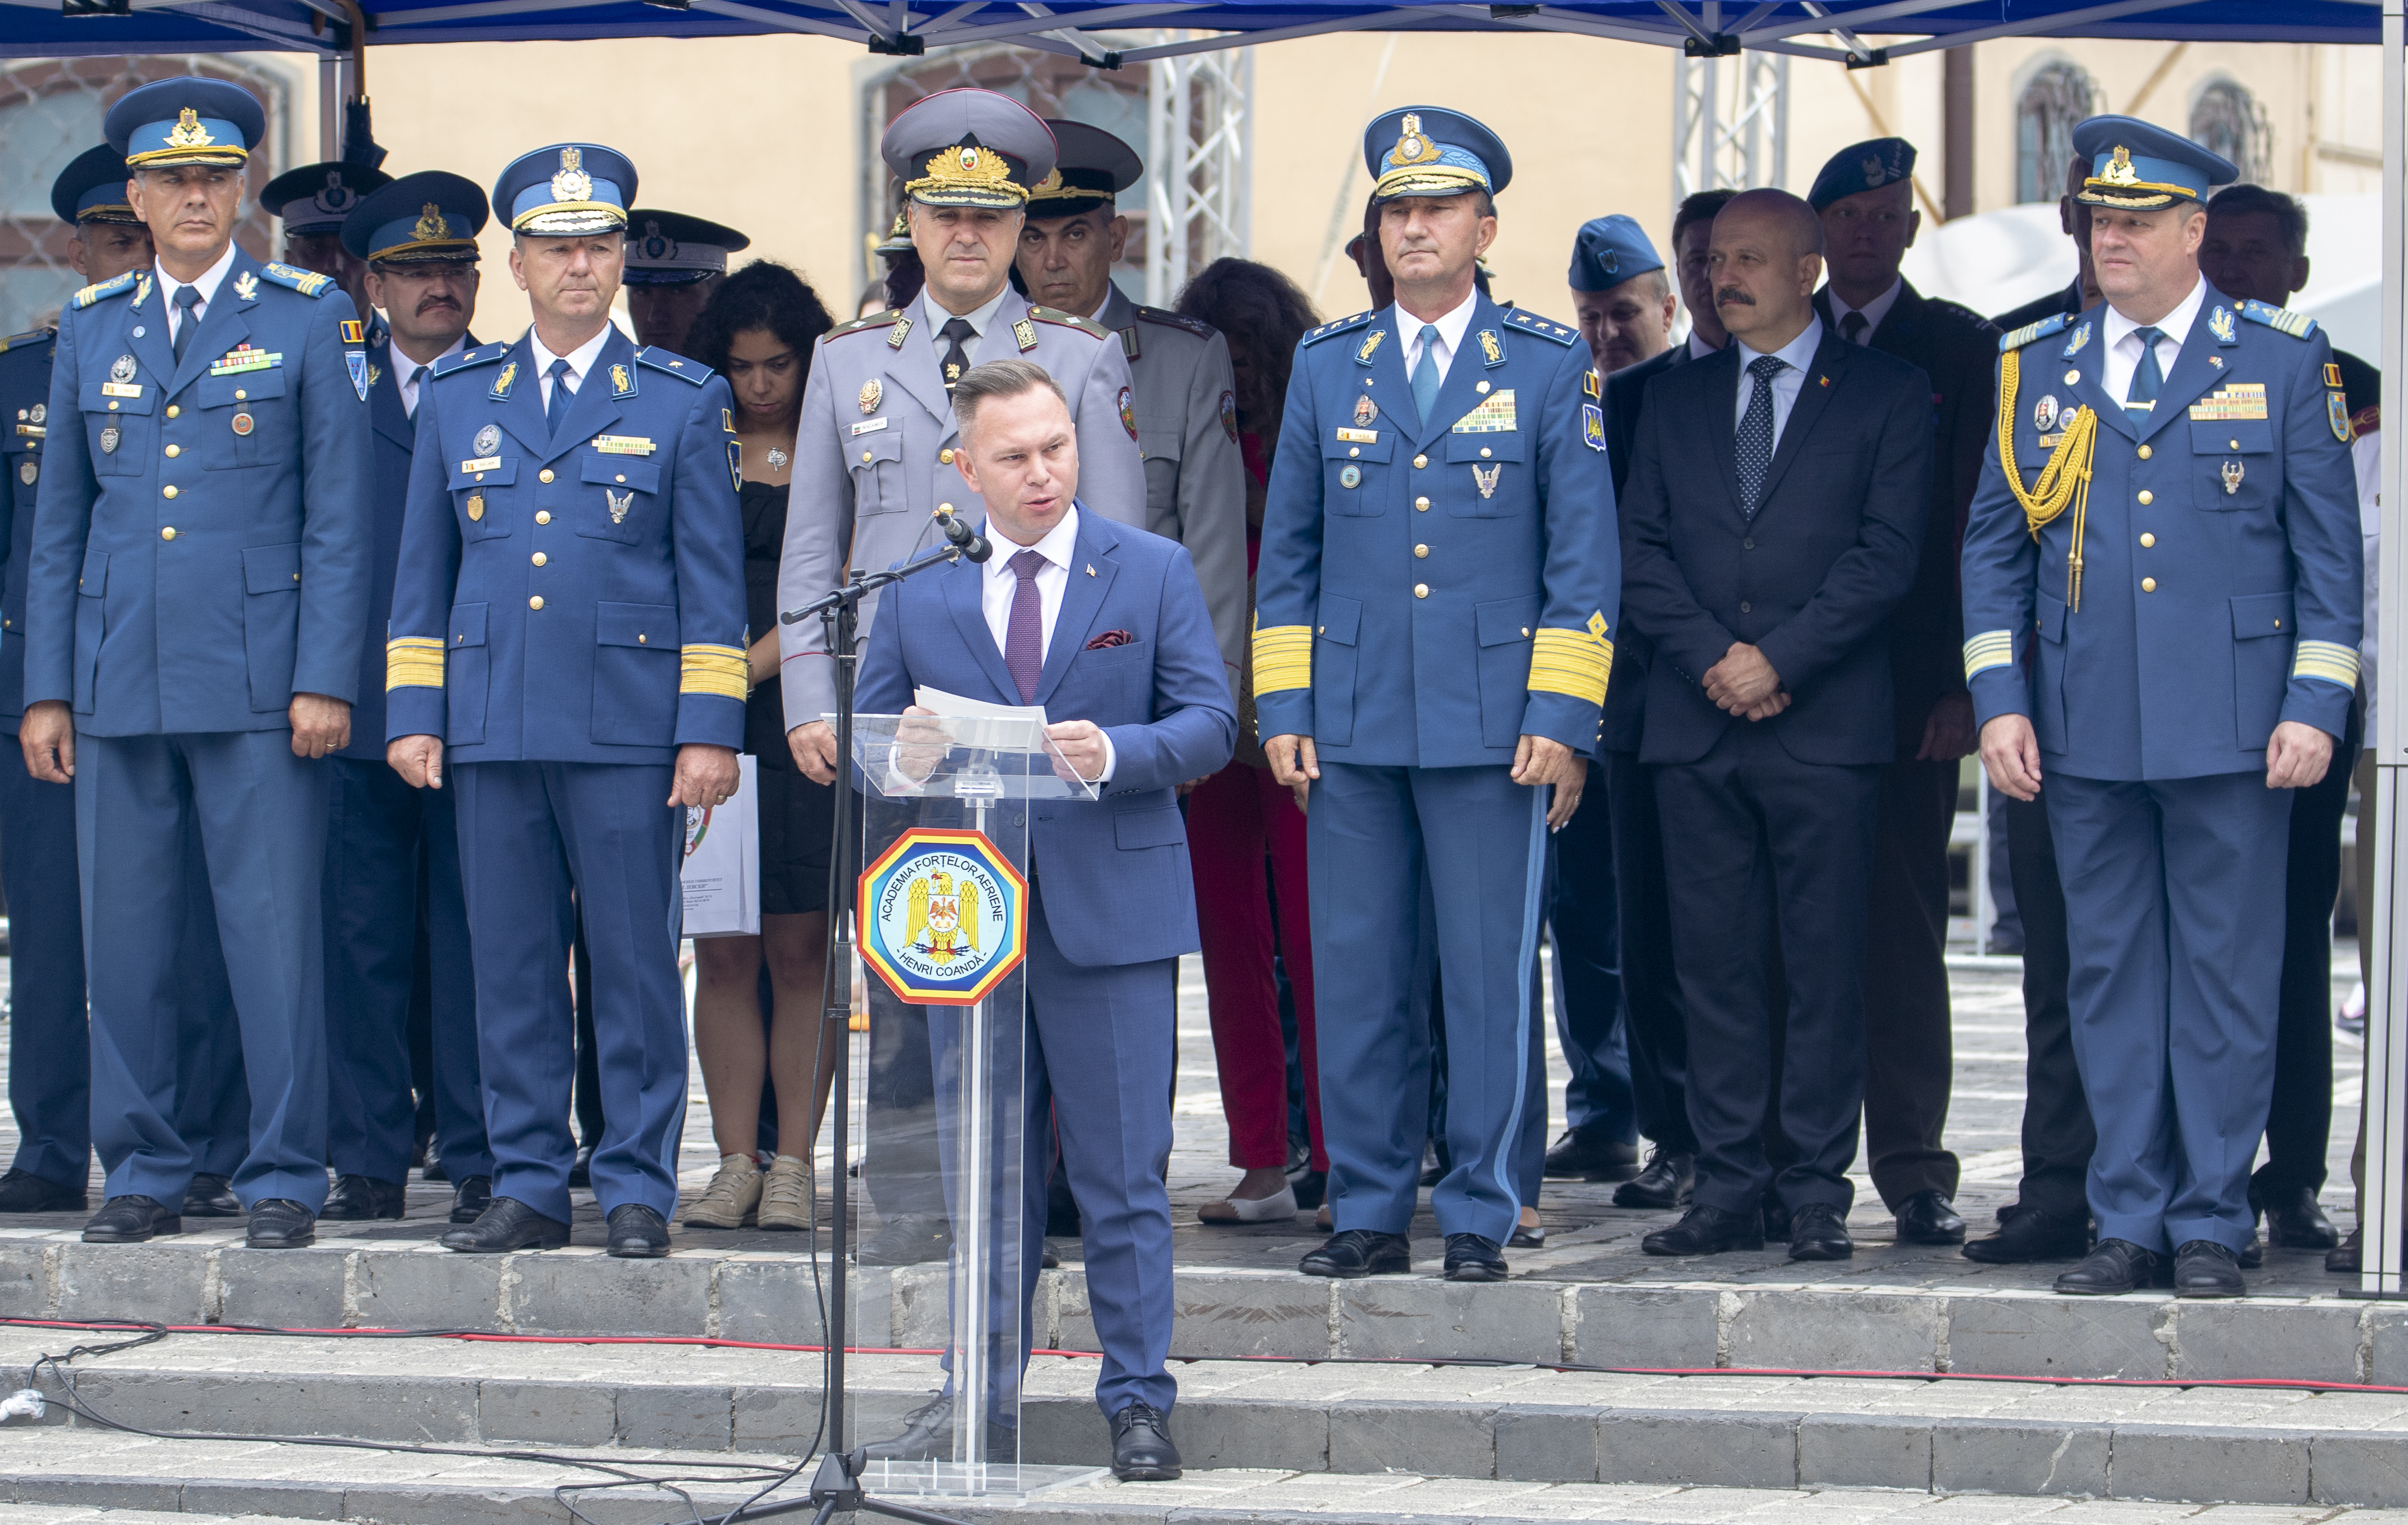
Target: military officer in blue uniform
(674,262)
(198,594)
(1434,612)
(567,651)
(312,202)
(393,852)
(2167,518)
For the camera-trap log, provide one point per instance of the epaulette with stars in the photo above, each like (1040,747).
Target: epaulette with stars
(1060,319)
(2282,320)
(862,324)
(478,356)
(1341,325)
(677,365)
(116,285)
(2032,332)
(1531,324)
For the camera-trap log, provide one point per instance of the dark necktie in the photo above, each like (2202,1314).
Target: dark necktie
(187,297)
(2149,376)
(1754,445)
(1024,640)
(417,379)
(961,336)
(558,408)
(1852,328)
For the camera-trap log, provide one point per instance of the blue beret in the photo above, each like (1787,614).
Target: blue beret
(91,188)
(2138,166)
(186,121)
(1426,151)
(1609,251)
(565,190)
(427,218)
(1867,166)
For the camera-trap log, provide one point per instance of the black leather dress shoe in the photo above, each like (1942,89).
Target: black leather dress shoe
(2295,1222)
(1360,1252)
(1670,1180)
(279,1223)
(1579,1158)
(1141,1449)
(1929,1217)
(356,1197)
(638,1233)
(432,1168)
(2118,1265)
(1707,1231)
(913,1239)
(22,1191)
(1817,1232)
(508,1224)
(211,1196)
(580,1170)
(927,1434)
(1473,1258)
(2255,1255)
(2342,1258)
(1312,1188)
(470,1199)
(2029,1234)
(130,1220)
(2204,1268)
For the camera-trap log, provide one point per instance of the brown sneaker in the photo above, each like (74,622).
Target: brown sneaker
(786,1194)
(734,1192)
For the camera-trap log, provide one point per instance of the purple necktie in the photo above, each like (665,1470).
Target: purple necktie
(1024,645)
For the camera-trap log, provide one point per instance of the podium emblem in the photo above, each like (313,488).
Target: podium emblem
(943,916)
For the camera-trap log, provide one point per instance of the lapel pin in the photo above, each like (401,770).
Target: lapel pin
(1822,380)
(1091,568)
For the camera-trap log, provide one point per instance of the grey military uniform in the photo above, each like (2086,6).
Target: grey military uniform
(1187,431)
(874,450)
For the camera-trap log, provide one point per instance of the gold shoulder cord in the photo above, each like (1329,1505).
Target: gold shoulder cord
(2066,478)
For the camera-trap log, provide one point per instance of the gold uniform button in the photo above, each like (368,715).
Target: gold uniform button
(623,479)
(641,638)
(2148,584)
(864,458)
(172,410)
(1483,453)
(539,558)
(2236,444)
(241,396)
(168,533)
(544,475)
(1421,590)
(535,602)
(2144,453)
(2147,540)
(944,457)
(174,450)
(171,492)
(1355,451)
(2147,498)
(1421,551)
(1421,505)
(543,517)
(1419,461)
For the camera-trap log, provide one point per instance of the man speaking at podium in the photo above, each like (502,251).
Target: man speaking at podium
(1105,626)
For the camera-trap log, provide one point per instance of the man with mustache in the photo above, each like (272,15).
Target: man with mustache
(416,239)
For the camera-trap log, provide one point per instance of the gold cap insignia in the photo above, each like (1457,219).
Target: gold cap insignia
(966,166)
(1413,147)
(572,183)
(431,223)
(2119,170)
(188,133)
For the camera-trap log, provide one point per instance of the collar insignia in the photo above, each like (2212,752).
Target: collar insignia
(622,384)
(246,286)
(502,383)
(1370,343)
(1492,351)
(2220,324)
(2073,346)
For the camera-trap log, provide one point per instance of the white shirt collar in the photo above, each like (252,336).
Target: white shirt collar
(580,360)
(404,368)
(981,318)
(1449,325)
(1059,545)
(1698,347)
(2175,326)
(1874,310)
(207,286)
(1799,352)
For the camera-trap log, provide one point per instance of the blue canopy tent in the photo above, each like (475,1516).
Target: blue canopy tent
(1857,33)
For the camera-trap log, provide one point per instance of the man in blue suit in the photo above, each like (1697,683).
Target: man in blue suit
(569,633)
(1434,603)
(393,852)
(1105,626)
(193,615)
(2195,594)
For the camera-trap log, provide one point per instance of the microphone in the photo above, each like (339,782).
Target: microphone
(971,544)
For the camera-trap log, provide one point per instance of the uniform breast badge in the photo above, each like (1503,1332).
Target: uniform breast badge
(1366,411)
(2232,473)
(620,503)
(2045,413)
(476,507)
(109,438)
(1485,479)
(241,423)
(246,286)
(1350,476)
(872,394)
(120,378)
(28,472)
(488,440)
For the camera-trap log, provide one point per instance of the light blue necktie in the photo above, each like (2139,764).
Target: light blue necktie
(1426,377)
(2149,376)
(561,396)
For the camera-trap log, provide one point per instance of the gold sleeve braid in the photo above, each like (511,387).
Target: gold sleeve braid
(720,670)
(413,662)
(1572,662)
(1282,658)
(2066,478)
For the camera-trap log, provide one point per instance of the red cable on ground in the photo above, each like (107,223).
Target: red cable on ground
(488,1337)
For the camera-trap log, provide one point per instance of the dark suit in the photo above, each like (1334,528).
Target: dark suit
(1651,989)
(1909,1063)
(1785,804)
(2068,301)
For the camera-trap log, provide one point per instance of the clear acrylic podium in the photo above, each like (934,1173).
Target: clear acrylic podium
(939,1120)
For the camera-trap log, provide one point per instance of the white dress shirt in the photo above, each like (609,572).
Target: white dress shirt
(1698,347)
(1450,335)
(1799,355)
(2123,345)
(1874,312)
(412,372)
(980,319)
(580,362)
(207,286)
(999,584)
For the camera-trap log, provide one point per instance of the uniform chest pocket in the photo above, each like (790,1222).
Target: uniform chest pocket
(876,462)
(2233,464)
(1481,468)
(119,430)
(477,497)
(1354,472)
(244,419)
(619,500)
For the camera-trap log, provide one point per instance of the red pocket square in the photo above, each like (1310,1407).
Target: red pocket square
(1110,637)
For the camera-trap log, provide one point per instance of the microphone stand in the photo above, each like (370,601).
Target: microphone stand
(835,1487)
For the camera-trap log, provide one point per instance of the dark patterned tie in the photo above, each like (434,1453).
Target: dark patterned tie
(1852,328)
(1023,644)
(187,297)
(1754,445)
(558,408)
(2149,376)
(961,336)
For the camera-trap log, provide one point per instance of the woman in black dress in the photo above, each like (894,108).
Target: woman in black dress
(757,332)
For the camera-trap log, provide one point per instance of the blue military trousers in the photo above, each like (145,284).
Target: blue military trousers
(1371,836)
(528,832)
(2173,909)
(393,852)
(49,1048)
(260,817)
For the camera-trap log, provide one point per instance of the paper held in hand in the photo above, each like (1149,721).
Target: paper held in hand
(720,875)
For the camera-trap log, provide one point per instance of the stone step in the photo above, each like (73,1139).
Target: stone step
(78,1514)
(2284,1447)
(1764,1315)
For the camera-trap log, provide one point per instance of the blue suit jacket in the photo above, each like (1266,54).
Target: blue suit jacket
(24,420)
(1432,589)
(1810,581)
(1114,871)
(199,590)
(577,598)
(2244,608)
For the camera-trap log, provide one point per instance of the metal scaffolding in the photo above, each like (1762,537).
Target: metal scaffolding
(1199,142)
(1730,122)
